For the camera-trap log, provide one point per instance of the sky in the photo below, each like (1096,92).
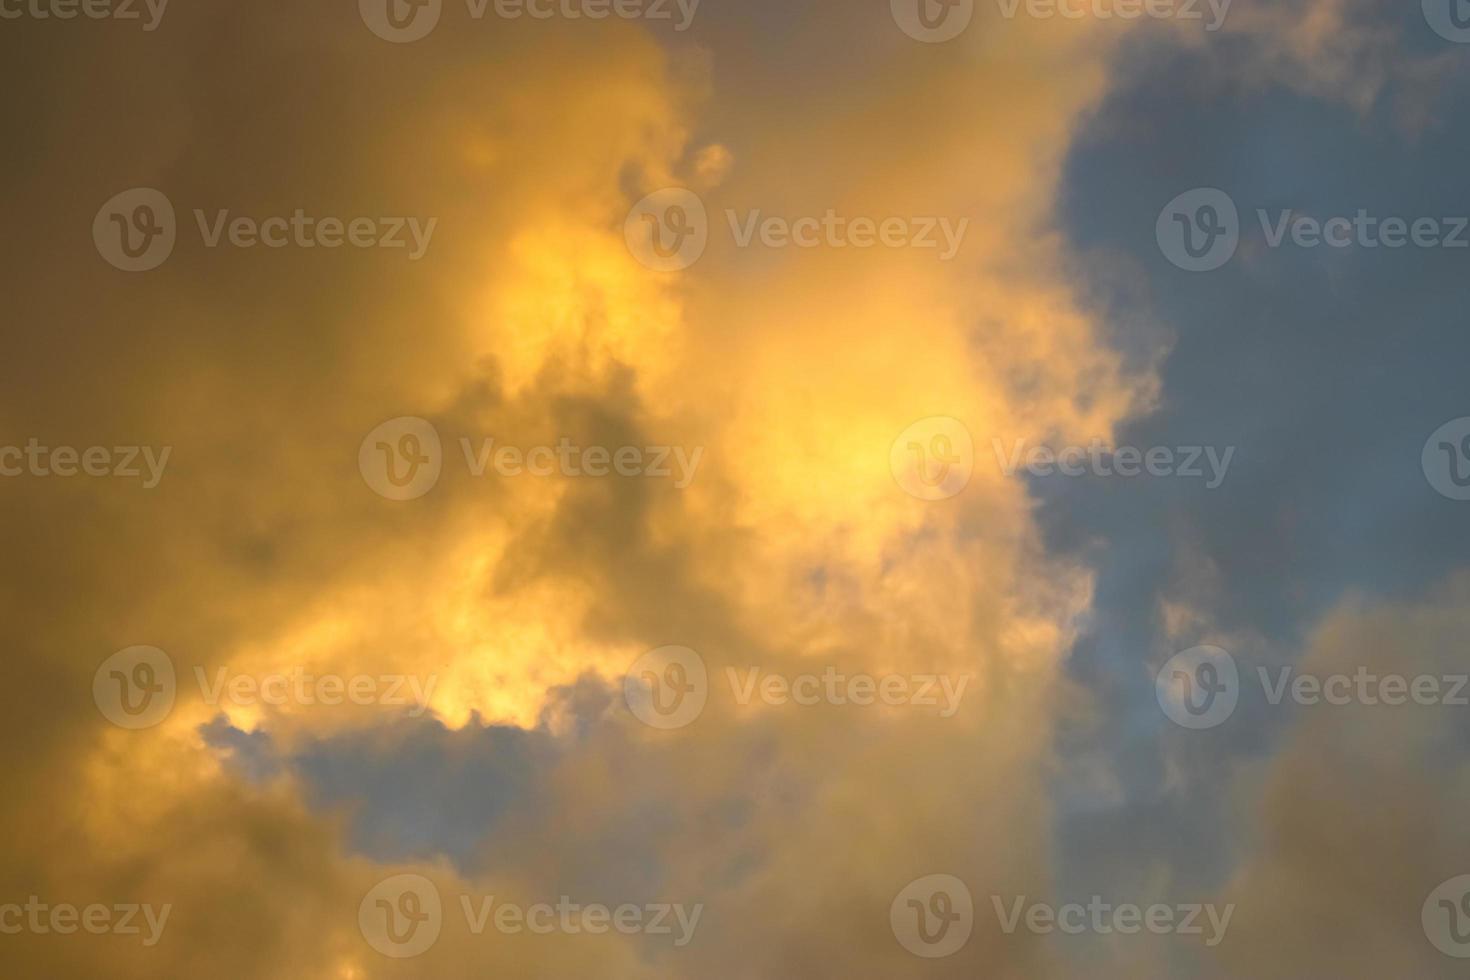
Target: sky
(641,489)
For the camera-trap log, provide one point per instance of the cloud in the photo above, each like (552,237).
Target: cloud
(1355,824)
(524,600)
